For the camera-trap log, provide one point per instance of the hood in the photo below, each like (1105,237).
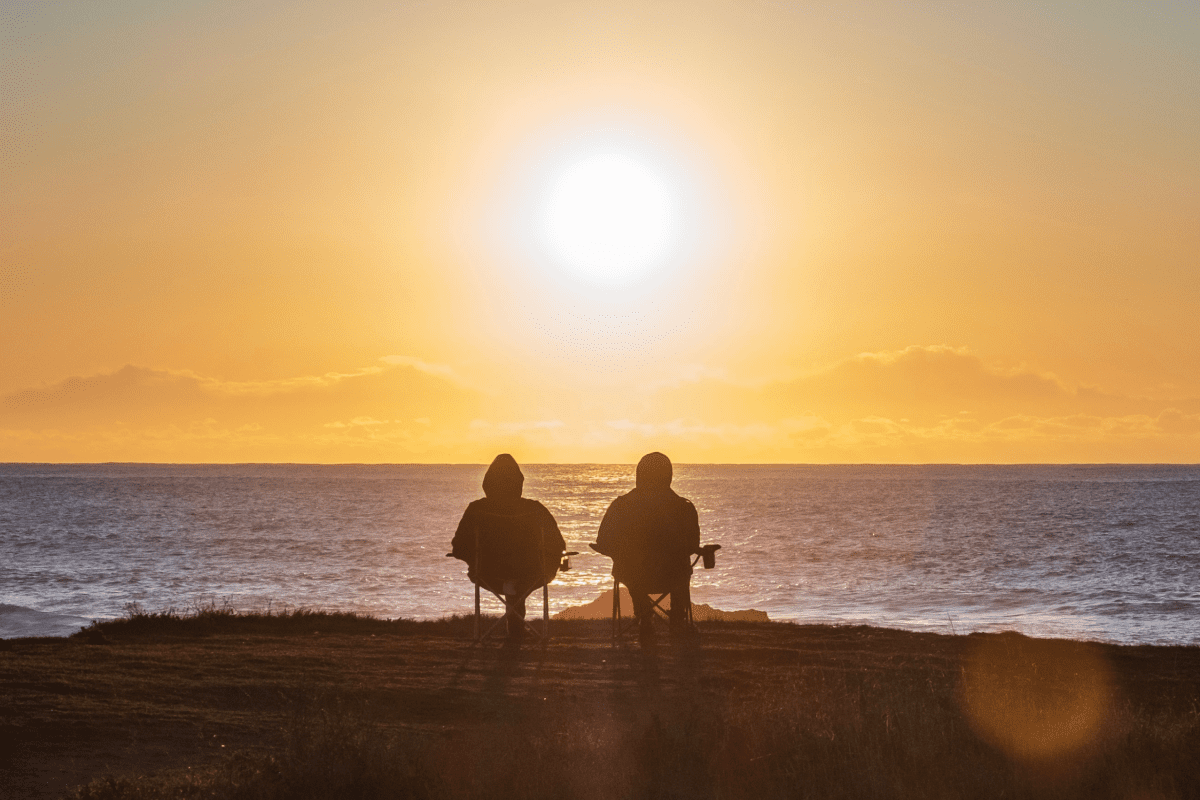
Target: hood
(654,472)
(503,478)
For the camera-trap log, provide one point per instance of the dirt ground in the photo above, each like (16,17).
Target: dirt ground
(137,703)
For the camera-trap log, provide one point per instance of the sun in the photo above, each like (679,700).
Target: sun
(609,217)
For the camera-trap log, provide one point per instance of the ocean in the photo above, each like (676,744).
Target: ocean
(1100,552)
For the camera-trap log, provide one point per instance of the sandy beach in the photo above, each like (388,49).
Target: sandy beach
(744,709)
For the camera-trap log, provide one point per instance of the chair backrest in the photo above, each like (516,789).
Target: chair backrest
(512,548)
(650,553)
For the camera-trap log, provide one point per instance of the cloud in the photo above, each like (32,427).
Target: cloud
(438,370)
(932,383)
(394,411)
(920,404)
(361,422)
(1074,438)
(508,428)
(932,403)
(923,385)
(131,388)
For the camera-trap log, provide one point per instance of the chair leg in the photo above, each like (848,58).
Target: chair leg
(619,624)
(541,634)
(503,620)
(616,615)
(656,608)
(478,633)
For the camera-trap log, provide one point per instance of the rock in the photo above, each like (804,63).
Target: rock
(601,608)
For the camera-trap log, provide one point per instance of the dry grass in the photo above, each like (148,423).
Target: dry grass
(212,618)
(368,708)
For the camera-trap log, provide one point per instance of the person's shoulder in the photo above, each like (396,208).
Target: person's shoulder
(625,499)
(620,506)
(683,501)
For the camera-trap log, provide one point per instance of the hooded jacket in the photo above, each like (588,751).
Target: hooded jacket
(505,537)
(651,532)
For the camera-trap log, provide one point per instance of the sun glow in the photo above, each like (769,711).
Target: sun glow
(609,218)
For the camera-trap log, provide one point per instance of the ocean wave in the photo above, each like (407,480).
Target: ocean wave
(19,622)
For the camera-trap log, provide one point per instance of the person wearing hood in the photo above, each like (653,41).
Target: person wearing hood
(511,543)
(651,534)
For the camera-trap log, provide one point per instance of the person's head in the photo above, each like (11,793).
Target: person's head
(503,478)
(654,472)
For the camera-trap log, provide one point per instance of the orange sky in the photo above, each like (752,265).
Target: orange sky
(909,233)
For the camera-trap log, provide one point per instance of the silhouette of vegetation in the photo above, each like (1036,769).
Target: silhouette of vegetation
(210,618)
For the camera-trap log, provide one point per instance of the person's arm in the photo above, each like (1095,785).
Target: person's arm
(611,526)
(463,545)
(556,545)
(691,528)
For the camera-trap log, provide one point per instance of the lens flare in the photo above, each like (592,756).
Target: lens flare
(1036,700)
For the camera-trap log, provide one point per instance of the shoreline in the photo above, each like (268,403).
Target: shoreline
(163,695)
(952,627)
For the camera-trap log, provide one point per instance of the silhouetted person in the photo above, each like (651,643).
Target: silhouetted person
(511,544)
(650,534)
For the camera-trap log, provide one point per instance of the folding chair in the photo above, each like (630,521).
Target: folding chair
(503,596)
(509,556)
(657,596)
